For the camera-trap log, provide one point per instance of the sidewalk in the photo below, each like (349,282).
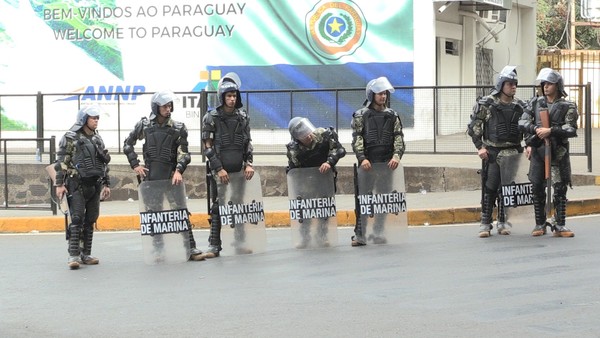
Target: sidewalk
(423,209)
(429,208)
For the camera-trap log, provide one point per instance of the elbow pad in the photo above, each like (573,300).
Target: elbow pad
(131,155)
(565,131)
(213,159)
(335,157)
(183,163)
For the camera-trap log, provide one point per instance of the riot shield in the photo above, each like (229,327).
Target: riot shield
(381,200)
(242,214)
(312,208)
(516,192)
(164,222)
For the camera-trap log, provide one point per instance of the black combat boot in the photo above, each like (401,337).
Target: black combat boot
(214,239)
(503,227)
(86,254)
(487,207)
(560,209)
(74,247)
(539,206)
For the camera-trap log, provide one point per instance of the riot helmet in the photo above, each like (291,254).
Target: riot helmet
(300,128)
(229,83)
(82,116)
(377,86)
(508,73)
(160,99)
(552,76)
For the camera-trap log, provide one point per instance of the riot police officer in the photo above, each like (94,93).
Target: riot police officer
(82,173)
(377,137)
(312,147)
(165,151)
(228,148)
(494,130)
(563,125)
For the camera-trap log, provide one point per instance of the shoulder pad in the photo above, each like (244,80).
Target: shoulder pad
(486,100)
(242,113)
(571,104)
(71,135)
(360,112)
(540,101)
(292,145)
(144,121)
(178,125)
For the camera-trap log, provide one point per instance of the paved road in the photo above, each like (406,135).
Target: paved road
(444,281)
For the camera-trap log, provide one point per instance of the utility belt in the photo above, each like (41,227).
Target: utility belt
(88,181)
(493,149)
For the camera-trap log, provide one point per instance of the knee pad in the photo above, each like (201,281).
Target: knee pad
(76,220)
(539,190)
(492,193)
(560,189)
(214,209)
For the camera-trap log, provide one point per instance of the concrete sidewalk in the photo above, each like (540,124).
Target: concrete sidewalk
(427,208)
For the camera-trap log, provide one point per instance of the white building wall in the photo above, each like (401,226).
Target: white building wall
(513,42)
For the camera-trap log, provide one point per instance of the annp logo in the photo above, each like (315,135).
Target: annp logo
(107,93)
(335,28)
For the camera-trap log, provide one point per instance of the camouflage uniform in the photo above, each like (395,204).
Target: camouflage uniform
(296,151)
(563,117)
(361,144)
(165,151)
(377,136)
(495,126)
(323,148)
(82,167)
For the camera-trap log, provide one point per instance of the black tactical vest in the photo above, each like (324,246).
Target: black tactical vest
(378,135)
(160,151)
(86,159)
(230,139)
(318,155)
(503,125)
(557,111)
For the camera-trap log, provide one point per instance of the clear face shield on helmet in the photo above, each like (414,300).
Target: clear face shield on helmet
(377,86)
(508,73)
(163,97)
(83,114)
(552,76)
(229,83)
(160,99)
(300,128)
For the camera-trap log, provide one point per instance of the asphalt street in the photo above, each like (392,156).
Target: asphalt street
(442,281)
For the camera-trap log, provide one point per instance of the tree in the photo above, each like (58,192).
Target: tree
(553,28)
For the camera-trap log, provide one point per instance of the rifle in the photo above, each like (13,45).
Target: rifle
(545,119)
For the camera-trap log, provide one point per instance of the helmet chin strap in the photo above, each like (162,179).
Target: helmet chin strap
(511,97)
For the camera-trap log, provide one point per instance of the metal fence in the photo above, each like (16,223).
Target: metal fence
(23,164)
(434,118)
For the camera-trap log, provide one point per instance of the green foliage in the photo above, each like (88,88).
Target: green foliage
(553,30)
(13,125)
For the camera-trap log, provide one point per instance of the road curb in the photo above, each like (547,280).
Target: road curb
(277,218)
